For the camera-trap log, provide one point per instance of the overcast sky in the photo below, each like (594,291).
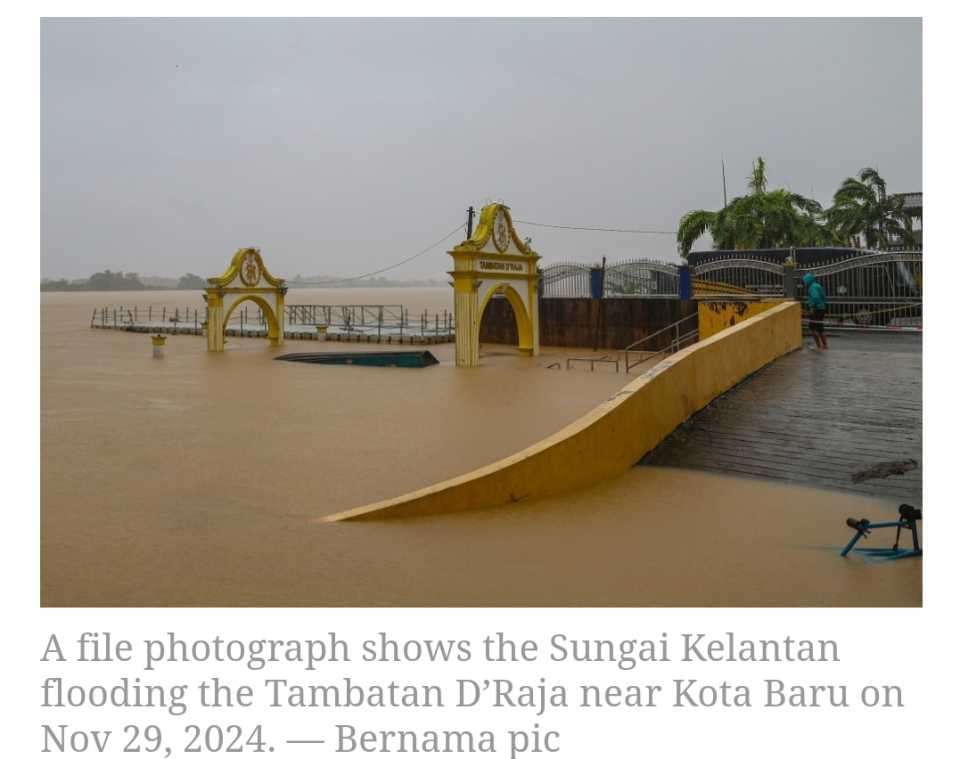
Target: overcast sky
(339,147)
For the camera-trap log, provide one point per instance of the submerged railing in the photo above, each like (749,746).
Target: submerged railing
(363,321)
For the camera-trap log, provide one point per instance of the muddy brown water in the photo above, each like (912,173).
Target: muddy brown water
(197,480)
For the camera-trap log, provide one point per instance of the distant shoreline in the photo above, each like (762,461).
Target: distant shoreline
(359,286)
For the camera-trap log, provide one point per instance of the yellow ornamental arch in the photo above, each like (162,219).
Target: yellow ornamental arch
(245,279)
(494,261)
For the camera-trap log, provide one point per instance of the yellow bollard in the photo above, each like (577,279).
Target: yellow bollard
(158,342)
(321,332)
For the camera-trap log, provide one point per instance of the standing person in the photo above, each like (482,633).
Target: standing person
(817,305)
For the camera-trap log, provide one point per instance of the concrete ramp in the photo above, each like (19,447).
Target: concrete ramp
(619,432)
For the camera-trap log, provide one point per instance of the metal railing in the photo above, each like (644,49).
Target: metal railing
(749,275)
(863,286)
(633,278)
(678,335)
(641,278)
(249,320)
(565,280)
(119,317)
(593,361)
(371,319)
(871,289)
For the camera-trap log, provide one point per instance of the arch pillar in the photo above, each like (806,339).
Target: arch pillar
(494,261)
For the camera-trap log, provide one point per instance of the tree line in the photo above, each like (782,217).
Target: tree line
(863,213)
(118,280)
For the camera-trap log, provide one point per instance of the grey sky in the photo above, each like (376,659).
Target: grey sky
(339,147)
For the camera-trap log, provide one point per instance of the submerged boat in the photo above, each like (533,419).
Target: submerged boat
(406,359)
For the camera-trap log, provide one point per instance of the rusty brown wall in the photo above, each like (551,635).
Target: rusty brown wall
(573,322)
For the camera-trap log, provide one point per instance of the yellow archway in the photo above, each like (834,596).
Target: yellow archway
(524,323)
(273,324)
(246,278)
(493,260)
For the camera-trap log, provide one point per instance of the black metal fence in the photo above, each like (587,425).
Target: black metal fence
(865,287)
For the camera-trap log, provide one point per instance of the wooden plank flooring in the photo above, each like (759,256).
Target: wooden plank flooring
(816,418)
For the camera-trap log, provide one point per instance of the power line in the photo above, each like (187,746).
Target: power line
(462,226)
(599,229)
(386,268)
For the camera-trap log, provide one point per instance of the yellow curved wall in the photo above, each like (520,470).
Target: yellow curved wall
(715,315)
(617,433)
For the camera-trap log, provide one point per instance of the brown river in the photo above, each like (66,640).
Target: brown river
(196,480)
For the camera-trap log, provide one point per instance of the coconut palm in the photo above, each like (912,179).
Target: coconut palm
(761,219)
(862,209)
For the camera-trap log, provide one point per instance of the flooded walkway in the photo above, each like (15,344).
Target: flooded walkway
(830,419)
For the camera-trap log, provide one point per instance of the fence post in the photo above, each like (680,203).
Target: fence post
(789,279)
(685,282)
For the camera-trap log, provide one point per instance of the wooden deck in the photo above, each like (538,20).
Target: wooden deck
(816,418)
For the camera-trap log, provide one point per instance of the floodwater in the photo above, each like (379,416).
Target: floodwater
(198,480)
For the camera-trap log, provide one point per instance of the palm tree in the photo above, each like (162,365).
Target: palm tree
(761,219)
(861,207)
(757,181)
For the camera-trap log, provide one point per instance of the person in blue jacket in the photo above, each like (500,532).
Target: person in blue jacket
(817,305)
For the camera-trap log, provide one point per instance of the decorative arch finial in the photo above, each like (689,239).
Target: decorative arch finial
(495,233)
(247,265)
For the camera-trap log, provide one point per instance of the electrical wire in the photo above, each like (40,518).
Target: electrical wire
(386,268)
(461,226)
(598,229)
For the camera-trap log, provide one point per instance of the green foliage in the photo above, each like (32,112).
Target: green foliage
(762,219)
(757,181)
(191,282)
(102,280)
(114,280)
(862,208)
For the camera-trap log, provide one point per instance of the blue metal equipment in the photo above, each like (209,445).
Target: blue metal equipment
(909,516)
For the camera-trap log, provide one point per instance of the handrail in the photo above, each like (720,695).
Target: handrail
(675,344)
(652,335)
(592,361)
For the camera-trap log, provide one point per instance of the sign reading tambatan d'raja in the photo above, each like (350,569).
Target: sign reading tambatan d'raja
(501,266)
(494,261)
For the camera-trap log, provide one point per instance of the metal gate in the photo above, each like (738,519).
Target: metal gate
(739,274)
(641,278)
(634,278)
(872,288)
(565,280)
(867,287)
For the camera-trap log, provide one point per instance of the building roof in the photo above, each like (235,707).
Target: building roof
(911,199)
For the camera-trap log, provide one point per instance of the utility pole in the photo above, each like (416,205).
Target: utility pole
(470,213)
(723,173)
